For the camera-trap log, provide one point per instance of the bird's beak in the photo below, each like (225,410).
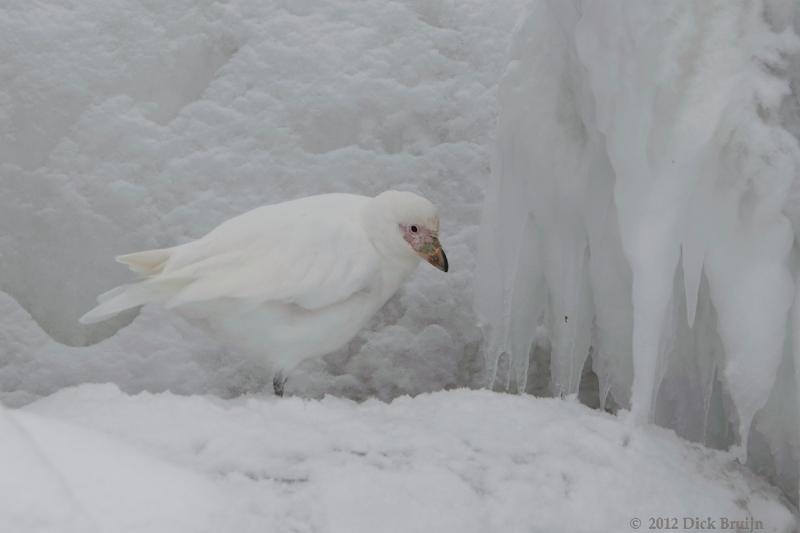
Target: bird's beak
(435,255)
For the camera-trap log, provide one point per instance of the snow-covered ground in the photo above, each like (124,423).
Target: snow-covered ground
(443,462)
(127,125)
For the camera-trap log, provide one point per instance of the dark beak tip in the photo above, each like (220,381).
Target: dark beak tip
(437,258)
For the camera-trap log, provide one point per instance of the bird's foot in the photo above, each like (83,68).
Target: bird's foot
(278,382)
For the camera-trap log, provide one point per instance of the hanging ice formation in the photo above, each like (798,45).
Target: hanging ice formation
(643,209)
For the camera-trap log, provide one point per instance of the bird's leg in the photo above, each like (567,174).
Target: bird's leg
(278,381)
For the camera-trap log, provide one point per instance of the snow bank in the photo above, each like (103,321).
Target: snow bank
(116,487)
(132,125)
(35,496)
(458,461)
(641,210)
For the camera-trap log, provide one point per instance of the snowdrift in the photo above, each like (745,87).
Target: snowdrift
(458,461)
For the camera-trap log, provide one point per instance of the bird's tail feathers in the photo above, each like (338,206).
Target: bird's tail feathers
(133,295)
(148,262)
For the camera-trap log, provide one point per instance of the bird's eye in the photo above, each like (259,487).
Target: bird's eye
(413,229)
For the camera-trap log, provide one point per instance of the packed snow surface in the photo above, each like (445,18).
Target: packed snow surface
(458,461)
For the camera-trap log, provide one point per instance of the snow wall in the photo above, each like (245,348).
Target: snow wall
(133,125)
(642,216)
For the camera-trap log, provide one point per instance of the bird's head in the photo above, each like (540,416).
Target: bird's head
(414,220)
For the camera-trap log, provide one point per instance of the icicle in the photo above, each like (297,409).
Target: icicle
(692,263)
(571,316)
(527,301)
(610,279)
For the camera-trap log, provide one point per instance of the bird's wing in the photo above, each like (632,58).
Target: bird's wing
(311,258)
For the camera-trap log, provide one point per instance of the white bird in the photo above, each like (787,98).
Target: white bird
(289,281)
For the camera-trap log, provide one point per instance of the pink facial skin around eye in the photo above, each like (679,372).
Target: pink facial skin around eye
(417,239)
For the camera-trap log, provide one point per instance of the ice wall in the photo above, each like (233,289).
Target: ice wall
(640,211)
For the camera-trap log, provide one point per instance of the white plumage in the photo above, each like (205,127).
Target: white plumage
(288,281)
